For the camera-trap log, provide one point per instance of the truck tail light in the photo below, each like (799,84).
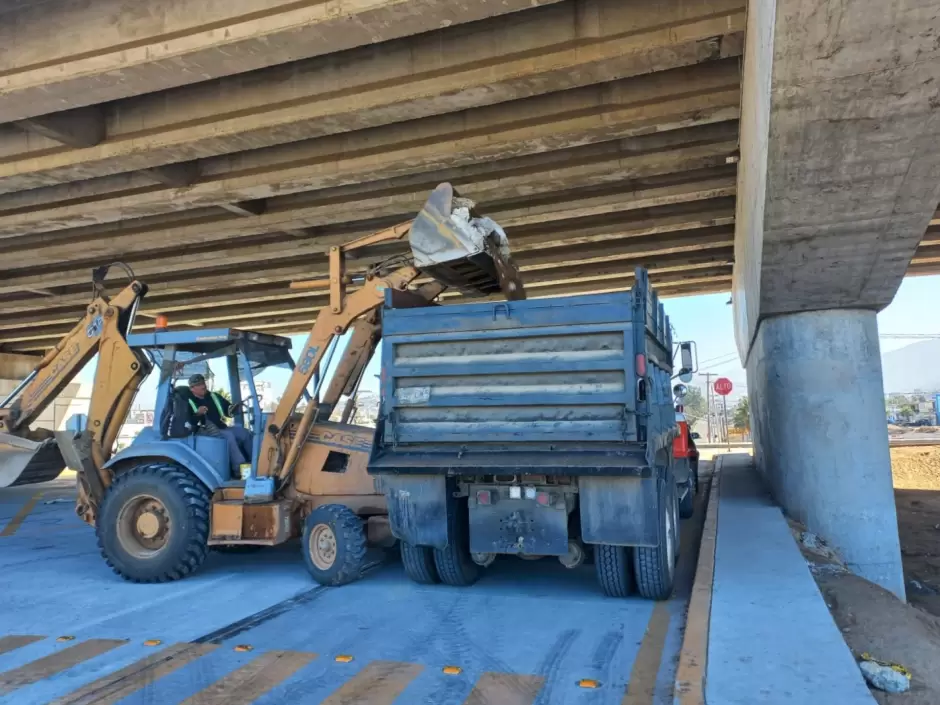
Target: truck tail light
(641,365)
(544,498)
(484,497)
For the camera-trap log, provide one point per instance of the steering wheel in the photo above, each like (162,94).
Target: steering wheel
(246,408)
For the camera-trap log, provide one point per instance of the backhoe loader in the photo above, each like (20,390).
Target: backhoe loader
(30,456)
(160,504)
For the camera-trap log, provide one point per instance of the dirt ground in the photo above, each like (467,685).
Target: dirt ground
(871,619)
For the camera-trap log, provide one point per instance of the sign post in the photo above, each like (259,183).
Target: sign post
(723,387)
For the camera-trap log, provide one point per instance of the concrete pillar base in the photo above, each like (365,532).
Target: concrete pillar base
(818,417)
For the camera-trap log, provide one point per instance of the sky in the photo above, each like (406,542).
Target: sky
(708,321)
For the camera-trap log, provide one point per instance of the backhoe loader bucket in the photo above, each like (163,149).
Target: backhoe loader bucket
(457,248)
(27,462)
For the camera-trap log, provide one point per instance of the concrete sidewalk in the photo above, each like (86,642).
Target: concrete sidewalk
(772,639)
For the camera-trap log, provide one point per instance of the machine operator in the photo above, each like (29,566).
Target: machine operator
(208,412)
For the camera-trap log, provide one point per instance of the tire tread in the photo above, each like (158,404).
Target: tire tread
(349,533)
(419,563)
(613,569)
(196,497)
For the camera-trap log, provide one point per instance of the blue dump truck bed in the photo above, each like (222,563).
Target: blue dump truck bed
(528,427)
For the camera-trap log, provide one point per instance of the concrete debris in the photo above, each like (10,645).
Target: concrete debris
(922,588)
(884,677)
(810,540)
(827,569)
(478,229)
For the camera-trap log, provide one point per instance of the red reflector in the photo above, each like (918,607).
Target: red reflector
(641,365)
(543,498)
(483,497)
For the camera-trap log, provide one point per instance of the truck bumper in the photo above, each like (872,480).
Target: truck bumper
(518,526)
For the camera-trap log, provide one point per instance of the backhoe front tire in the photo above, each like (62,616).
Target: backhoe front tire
(153,523)
(334,545)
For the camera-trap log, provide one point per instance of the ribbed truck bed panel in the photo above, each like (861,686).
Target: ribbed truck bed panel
(510,376)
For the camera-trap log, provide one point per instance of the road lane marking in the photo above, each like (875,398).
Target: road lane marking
(21,515)
(118,685)
(693,656)
(50,665)
(641,688)
(379,683)
(252,680)
(15,641)
(504,689)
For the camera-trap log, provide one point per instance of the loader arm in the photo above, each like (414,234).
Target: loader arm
(329,323)
(449,251)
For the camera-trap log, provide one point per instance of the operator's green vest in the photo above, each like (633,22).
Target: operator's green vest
(215,400)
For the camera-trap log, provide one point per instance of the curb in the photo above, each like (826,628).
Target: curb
(693,657)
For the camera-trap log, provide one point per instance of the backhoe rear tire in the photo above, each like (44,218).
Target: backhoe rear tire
(419,563)
(334,545)
(153,523)
(454,564)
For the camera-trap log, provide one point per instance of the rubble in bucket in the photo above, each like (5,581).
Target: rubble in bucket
(465,251)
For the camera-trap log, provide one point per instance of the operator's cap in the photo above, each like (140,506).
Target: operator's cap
(196,379)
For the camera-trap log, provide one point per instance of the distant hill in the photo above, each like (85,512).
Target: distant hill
(913,367)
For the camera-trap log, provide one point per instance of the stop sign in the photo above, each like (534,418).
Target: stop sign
(723,386)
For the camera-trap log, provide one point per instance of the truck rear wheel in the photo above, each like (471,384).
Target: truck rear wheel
(419,563)
(334,544)
(687,503)
(655,568)
(613,569)
(153,524)
(454,564)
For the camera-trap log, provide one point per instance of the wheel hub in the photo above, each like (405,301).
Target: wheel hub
(143,526)
(150,524)
(322,546)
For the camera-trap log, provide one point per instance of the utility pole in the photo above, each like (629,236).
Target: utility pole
(724,403)
(708,403)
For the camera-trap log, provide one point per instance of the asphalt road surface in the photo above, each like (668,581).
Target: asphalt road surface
(257,629)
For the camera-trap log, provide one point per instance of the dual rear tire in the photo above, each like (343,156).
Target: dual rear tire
(651,569)
(451,565)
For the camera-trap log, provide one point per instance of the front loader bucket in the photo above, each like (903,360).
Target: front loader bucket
(471,254)
(26,462)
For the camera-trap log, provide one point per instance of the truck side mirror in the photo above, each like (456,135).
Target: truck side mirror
(688,361)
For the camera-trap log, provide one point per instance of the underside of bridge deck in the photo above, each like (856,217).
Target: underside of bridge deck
(221,148)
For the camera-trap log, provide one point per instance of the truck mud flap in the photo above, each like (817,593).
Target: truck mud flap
(417,509)
(619,511)
(518,526)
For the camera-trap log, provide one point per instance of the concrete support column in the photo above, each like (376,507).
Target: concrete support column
(818,416)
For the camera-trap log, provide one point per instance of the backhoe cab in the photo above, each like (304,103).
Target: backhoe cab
(170,499)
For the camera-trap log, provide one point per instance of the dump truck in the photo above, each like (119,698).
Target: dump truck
(159,505)
(534,428)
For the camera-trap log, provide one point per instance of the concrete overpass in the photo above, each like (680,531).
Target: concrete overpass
(221,148)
